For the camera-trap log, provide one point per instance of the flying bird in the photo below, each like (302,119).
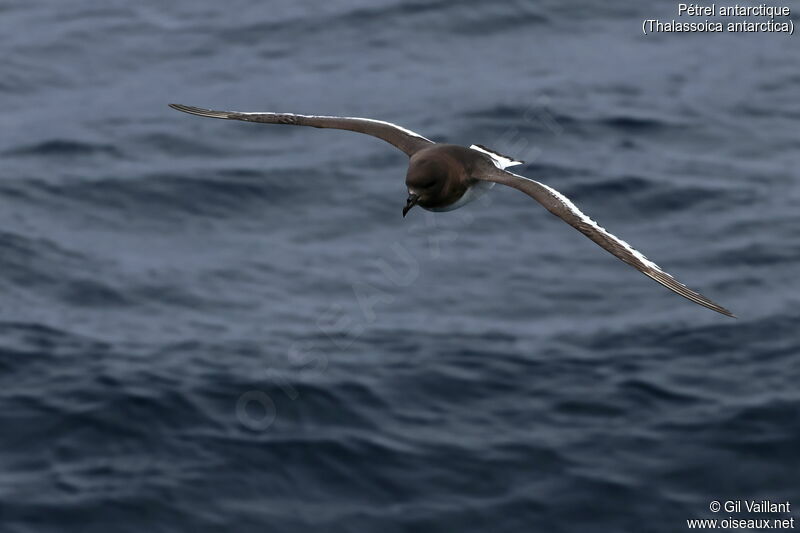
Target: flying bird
(443,177)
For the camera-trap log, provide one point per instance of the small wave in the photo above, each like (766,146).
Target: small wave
(617,187)
(638,391)
(757,254)
(35,262)
(92,293)
(693,340)
(65,148)
(771,427)
(178,145)
(635,124)
(205,193)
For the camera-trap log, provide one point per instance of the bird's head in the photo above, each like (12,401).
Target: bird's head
(424,180)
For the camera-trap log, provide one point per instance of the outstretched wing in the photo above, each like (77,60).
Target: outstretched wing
(406,140)
(562,207)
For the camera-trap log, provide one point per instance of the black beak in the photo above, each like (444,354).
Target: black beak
(411,202)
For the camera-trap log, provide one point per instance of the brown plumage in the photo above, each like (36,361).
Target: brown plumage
(442,177)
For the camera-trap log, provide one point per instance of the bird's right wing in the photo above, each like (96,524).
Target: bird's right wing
(563,208)
(406,140)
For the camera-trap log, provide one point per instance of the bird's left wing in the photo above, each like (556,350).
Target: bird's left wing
(406,140)
(562,207)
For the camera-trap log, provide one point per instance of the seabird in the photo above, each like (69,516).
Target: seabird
(443,177)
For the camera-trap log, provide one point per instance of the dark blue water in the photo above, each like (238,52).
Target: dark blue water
(221,326)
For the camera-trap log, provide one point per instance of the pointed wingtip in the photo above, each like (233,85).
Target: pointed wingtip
(179,107)
(721,310)
(185,108)
(202,112)
(715,307)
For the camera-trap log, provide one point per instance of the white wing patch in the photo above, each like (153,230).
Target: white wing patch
(580,214)
(562,207)
(501,161)
(404,130)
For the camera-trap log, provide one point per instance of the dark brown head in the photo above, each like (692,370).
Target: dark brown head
(426,180)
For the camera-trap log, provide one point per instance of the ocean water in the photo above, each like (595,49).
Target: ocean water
(221,326)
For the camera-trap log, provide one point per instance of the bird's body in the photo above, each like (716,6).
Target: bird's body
(443,177)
